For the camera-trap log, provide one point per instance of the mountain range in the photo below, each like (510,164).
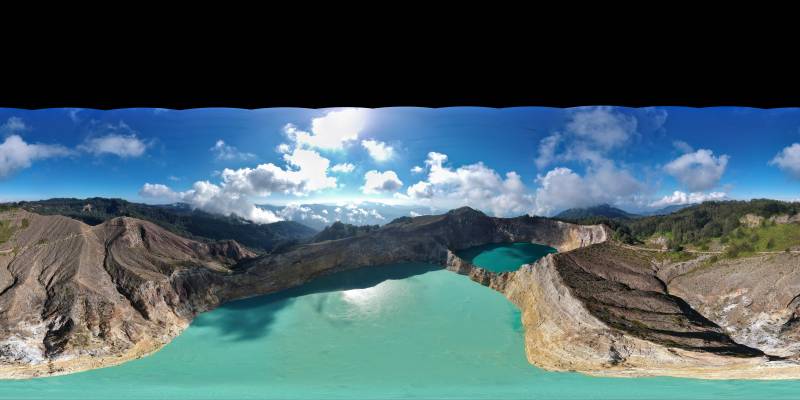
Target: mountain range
(609,211)
(318,216)
(77,296)
(180,219)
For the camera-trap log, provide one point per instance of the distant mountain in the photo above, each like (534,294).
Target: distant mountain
(338,230)
(319,216)
(603,210)
(668,209)
(180,219)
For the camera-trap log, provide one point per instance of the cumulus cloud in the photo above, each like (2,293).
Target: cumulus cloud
(602,126)
(678,197)
(331,131)
(16,154)
(73,115)
(474,185)
(561,188)
(119,140)
(225,199)
(655,118)
(788,160)
(698,171)
(298,212)
(590,134)
(379,151)
(159,191)
(13,125)
(306,172)
(381,182)
(547,150)
(682,146)
(119,145)
(225,152)
(417,169)
(311,169)
(344,168)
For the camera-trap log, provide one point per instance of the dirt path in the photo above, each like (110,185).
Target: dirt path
(701,251)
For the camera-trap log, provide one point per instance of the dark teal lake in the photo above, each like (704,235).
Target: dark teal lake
(390,332)
(503,257)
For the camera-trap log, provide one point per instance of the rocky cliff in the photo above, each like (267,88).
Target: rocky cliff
(604,309)
(74,297)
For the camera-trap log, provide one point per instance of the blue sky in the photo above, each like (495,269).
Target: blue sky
(503,161)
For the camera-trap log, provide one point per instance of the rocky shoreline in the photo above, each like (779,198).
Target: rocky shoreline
(120,290)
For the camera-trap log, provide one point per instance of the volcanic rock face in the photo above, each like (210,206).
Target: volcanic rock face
(72,296)
(605,310)
(422,239)
(756,300)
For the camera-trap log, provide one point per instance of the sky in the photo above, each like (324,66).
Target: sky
(506,162)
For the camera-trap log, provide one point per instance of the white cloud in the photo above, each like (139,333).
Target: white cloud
(472,185)
(698,171)
(562,188)
(312,169)
(421,190)
(331,131)
(306,172)
(16,154)
(157,190)
(225,152)
(283,148)
(119,145)
(417,169)
(590,134)
(602,126)
(414,214)
(119,140)
(547,150)
(13,125)
(344,168)
(678,197)
(73,115)
(298,212)
(435,159)
(381,182)
(379,151)
(788,160)
(656,118)
(224,199)
(173,178)
(682,146)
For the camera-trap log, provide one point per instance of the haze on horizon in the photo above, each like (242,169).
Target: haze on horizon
(506,162)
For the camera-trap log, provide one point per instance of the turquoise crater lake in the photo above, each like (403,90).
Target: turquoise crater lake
(502,257)
(388,332)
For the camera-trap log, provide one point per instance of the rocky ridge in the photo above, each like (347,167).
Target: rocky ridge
(75,297)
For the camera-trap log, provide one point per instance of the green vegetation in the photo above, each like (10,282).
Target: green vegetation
(7,229)
(674,256)
(25,223)
(603,210)
(769,237)
(703,226)
(179,219)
